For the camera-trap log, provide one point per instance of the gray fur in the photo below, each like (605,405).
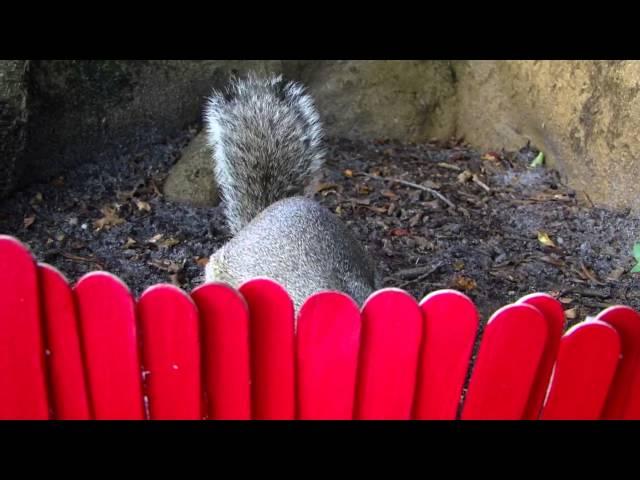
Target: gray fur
(267,142)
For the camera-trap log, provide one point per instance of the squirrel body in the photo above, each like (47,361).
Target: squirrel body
(267,139)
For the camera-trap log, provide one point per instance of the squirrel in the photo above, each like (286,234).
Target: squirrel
(268,142)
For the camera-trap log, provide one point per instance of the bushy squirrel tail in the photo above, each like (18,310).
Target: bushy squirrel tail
(267,142)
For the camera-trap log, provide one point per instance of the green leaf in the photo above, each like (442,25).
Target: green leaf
(636,254)
(538,161)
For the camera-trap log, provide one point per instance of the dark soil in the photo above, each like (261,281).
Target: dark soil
(485,235)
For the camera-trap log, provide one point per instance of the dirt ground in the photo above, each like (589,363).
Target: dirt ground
(436,215)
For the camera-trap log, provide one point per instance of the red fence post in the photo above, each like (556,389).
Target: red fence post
(109,337)
(389,350)
(328,340)
(23,383)
(68,384)
(171,353)
(510,351)
(224,317)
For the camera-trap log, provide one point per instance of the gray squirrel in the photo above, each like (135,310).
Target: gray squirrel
(267,143)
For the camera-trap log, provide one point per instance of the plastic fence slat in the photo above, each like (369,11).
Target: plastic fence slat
(510,351)
(170,353)
(110,343)
(328,339)
(69,395)
(272,349)
(389,350)
(623,402)
(23,383)
(583,373)
(224,317)
(450,328)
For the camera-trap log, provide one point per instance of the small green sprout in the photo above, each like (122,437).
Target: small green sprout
(538,161)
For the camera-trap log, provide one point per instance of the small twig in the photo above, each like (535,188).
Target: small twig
(77,258)
(421,277)
(479,182)
(433,192)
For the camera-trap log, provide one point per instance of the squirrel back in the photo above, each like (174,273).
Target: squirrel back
(267,140)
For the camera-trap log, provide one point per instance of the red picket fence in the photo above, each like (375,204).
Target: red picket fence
(94,352)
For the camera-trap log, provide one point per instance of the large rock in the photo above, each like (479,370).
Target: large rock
(84,109)
(405,100)
(584,115)
(13,118)
(191,180)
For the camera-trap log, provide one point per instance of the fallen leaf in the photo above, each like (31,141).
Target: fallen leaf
(389,194)
(326,186)
(168,243)
(491,156)
(143,205)
(399,232)
(415,220)
(464,283)
(348,173)
(110,219)
(380,210)
(28,221)
(543,238)
(155,238)
(129,243)
(36,199)
(565,300)
(465,176)
(458,265)
(615,274)
(202,261)
(571,313)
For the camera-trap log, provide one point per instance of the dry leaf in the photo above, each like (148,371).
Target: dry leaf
(129,243)
(458,265)
(388,194)
(110,219)
(28,221)
(364,189)
(491,156)
(465,176)
(543,238)
(36,199)
(202,261)
(565,300)
(571,313)
(380,210)
(615,274)
(399,232)
(326,186)
(464,283)
(143,205)
(168,243)
(348,173)
(155,238)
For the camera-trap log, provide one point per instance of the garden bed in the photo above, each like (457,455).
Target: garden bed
(436,215)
